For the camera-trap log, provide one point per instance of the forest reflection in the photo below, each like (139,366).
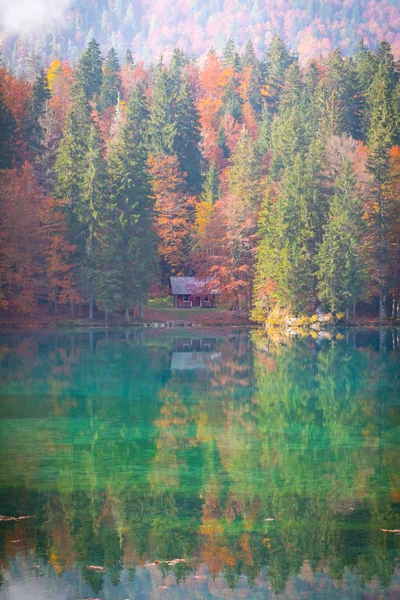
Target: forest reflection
(264,467)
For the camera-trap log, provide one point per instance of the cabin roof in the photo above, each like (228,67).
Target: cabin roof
(182,286)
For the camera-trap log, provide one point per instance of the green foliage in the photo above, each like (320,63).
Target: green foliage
(211,185)
(111,82)
(7,127)
(163,128)
(186,144)
(133,244)
(88,73)
(342,272)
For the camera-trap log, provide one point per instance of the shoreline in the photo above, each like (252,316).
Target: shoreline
(61,324)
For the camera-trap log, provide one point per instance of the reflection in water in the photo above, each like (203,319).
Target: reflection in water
(264,468)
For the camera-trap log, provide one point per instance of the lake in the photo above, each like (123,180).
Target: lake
(199,464)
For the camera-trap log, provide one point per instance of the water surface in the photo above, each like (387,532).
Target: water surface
(215,464)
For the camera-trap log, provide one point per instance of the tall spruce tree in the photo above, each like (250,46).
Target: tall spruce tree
(111,82)
(278,61)
(131,194)
(230,57)
(163,127)
(7,127)
(93,198)
(211,185)
(341,269)
(88,73)
(37,106)
(70,168)
(186,144)
(380,138)
(284,269)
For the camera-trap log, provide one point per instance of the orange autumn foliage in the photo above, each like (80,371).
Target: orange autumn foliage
(174,211)
(20,241)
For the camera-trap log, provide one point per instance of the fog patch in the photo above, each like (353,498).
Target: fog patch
(28,16)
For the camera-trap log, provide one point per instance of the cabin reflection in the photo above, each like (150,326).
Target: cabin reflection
(194,353)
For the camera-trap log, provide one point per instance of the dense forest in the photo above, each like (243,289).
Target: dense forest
(279,182)
(151,27)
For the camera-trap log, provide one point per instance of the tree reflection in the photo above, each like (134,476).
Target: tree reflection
(269,461)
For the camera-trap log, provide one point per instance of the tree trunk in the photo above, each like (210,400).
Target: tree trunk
(72,309)
(382,301)
(80,309)
(106,318)
(127,313)
(347,316)
(141,310)
(91,307)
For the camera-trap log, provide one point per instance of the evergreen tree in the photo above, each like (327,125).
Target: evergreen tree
(132,196)
(7,127)
(230,57)
(284,269)
(163,127)
(264,137)
(94,198)
(339,96)
(380,138)
(70,168)
(45,159)
(37,105)
(231,102)
(111,82)
(244,172)
(211,185)
(221,142)
(187,139)
(341,270)
(88,73)
(278,61)
(249,56)
(128,58)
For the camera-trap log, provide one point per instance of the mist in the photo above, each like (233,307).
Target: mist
(29,16)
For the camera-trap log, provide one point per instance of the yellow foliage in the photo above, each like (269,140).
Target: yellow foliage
(52,70)
(204,212)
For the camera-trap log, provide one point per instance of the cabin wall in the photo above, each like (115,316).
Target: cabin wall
(195,301)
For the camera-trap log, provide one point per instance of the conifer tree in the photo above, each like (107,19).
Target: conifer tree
(128,58)
(94,198)
(186,143)
(88,73)
(37,105)
(284,270)
(341,270)
(230,57)
(231,101)
(7,127)
(278,61)
(163,128)
(131,195)
(249,56)
(380,138)
(111,82)
(211,185)
(70,168)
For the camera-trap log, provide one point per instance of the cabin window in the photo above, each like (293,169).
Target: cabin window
(186,298)
(206,299)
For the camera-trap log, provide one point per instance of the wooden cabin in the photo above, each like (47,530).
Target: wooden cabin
(189,292)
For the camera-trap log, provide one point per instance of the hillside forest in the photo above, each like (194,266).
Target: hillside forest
(279,182)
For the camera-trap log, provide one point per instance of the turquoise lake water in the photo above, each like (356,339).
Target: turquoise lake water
(199,464)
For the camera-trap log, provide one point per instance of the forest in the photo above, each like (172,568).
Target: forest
(275,180)
(152,27)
